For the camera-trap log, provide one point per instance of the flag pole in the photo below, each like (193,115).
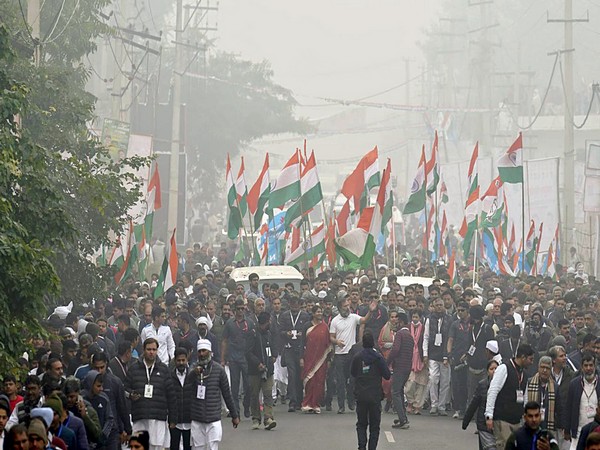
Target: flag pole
(475,250)
(523,224)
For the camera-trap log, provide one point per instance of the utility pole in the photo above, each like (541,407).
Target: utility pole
(33,20)
(569,135)
(175,127)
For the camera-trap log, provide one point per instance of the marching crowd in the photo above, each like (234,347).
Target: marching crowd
(517,356)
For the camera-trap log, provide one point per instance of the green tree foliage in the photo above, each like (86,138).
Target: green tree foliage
(62,196)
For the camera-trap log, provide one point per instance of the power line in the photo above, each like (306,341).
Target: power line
(33,40)
(594,89)
(56,20)
(556,61)
(66,25)
(422,74)
(192,15)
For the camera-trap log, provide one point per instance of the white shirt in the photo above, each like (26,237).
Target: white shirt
(166,345)
(344,329)
(588,403)
(496,385)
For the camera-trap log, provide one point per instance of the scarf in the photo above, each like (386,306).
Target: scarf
(534,394)
(416,331)
(387,335)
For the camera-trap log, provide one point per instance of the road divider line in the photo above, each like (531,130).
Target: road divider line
(390,437)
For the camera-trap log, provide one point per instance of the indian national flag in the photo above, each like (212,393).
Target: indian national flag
(364,177)
(153,201)
(388,200)
(241,189)
(310,249)
(469,224)
(287,186)
(235,218)
(510,165)
(432,168)
(259,194)
(530,245)
(342,219)
(370,165)
(452,272)
(168,272)
(310,190)
(116,257)
(492,204)
(416,201)
(534,268)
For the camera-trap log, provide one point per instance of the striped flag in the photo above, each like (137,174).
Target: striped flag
(416,201)
(310,193)
(432,168)
(310,249)
(168,272)
(342,220)
(534,269)
(510,164)
(235,217)
(469,224)
(241,189)
(258,196)
(287,186)
(492,204)
(153,201)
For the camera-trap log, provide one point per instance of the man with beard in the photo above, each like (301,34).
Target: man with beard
(291,325)
(582,399)
(435,353)
(149,384)
(458,346)
(477,360)
(236,335)
(537,334)
(205,385)
(185,332)
(181,414)
(204,332)
(342,333)
(506,395)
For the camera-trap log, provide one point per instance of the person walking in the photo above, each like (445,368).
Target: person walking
(400,358)
(368,368)
(205,385)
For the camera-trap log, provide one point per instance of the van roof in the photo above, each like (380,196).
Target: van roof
(266,273)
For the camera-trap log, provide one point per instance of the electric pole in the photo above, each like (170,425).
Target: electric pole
(175,127)
(33,20)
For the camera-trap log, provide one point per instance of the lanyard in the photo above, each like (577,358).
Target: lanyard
(149,371)
(123,368)
(294,322)
(558,378)
(592,392)
(520,374)
(543,394)
(461,327)
(478,333)
(513,351)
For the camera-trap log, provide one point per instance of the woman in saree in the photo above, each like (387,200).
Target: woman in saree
(317,349)
(385,342)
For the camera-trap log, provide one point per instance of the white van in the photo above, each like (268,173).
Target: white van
(268,274)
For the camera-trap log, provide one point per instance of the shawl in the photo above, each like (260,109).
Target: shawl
(534,394)
(416,331)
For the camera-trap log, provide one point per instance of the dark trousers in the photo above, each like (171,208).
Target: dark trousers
(343,380)
(177,435)
(399,379)
(295,389)
(330,382)
(114,441)
(368,414)
(239,371)
(459,389)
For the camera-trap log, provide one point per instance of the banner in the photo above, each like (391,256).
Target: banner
(115,136)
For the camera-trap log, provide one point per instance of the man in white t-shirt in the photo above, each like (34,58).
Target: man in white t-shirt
(342,333)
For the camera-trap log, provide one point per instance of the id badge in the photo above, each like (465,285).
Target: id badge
(438,339)
(294,334)
(201,392)
(520,397)
(268,351)
(542,414)
(590,411)
(148,391)
(471,351)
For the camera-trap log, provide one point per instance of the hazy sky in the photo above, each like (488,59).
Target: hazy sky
(327,48)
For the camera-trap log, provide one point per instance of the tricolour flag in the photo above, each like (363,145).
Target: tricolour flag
(388,200)
(452,272)
(310,193)
(510,164)
(310,249)
(235,217)
(364,177)
(370,164)
(241,189)
(492,204)
(258,196)
(330,243)
(416,201)
(287,185)
(116,257)
(530,246)
(153,201)
(168,272)
(534,268)
(469,224)
(432,168)
(342,219)
(351,245)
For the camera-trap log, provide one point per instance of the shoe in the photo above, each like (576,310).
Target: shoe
(317,410)
(456,415)
(341,411)
(246,412)
(255,424)
(417,412)
(351,406)
(270,424)
(443,412)
(291,409)
(328,408)
(433,412)
(283,401)
(400,426)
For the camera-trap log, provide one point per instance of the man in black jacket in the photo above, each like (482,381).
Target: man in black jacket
(181,414)
(149,385)
(261,357)
(205,384)
(529,436)
(368,367)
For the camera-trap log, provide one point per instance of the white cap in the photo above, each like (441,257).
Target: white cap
(385,291)
(205,320)
(204,344)
(492,346)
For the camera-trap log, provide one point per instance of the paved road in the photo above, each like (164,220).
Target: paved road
(330,431)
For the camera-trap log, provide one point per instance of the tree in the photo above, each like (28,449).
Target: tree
(62,195)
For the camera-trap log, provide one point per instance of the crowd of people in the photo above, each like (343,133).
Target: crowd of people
(517,356)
